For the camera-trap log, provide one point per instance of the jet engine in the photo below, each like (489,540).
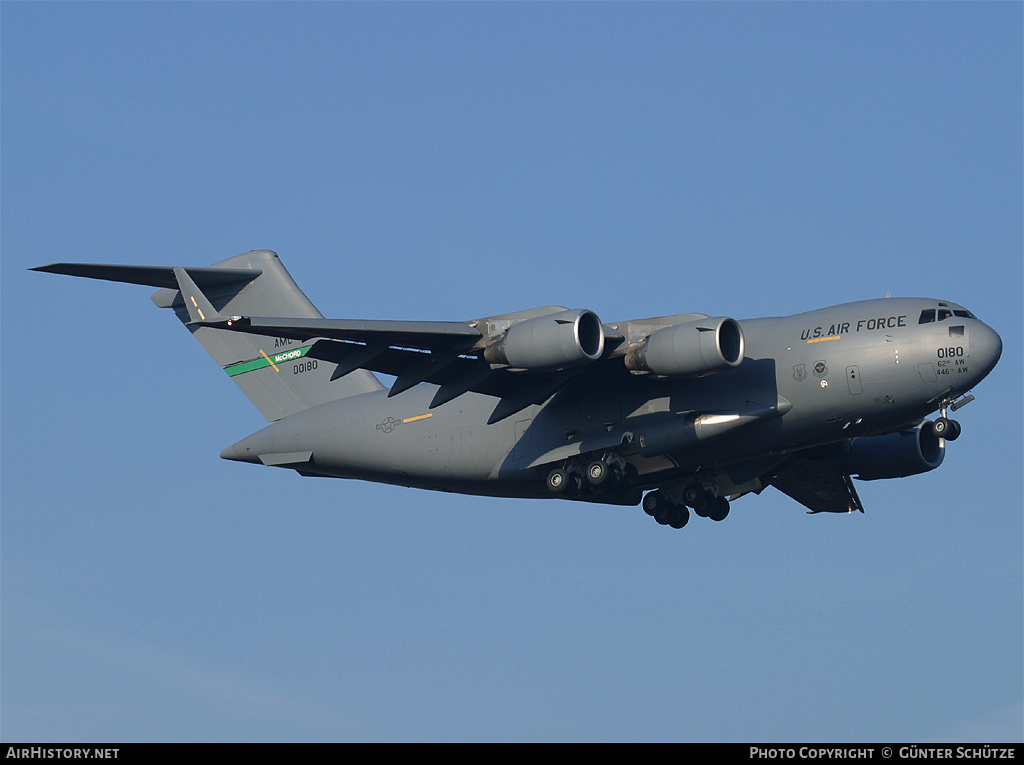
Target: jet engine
(895,455)
(699,347)
(555,341)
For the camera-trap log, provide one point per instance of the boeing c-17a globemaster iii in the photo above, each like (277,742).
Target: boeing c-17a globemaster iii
(674,413)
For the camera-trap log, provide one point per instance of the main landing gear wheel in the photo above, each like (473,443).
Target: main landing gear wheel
(598,472)
(696,497)
(678,516)
(564,483)
(718,509)
(604,476)
(655,504)
(693,494)
(665,511)
(559,481)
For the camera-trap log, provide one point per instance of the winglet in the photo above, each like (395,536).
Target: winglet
(200,310)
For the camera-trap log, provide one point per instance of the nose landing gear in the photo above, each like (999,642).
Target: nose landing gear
(944,427)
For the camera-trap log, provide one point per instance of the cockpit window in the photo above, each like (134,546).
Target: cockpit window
(928,315)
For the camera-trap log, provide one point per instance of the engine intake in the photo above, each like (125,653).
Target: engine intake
(699,347)
(555,341)
(895,455)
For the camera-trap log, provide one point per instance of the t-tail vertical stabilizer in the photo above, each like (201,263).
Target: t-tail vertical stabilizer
(273,372)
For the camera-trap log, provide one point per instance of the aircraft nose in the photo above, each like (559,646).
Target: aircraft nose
(986,348)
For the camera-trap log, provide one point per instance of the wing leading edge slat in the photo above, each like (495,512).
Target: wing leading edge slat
(422,335)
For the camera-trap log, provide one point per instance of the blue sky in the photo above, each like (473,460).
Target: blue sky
(453,160)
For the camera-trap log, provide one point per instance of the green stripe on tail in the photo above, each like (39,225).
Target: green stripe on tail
(265,361)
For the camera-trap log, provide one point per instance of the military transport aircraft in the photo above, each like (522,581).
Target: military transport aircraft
(674,413)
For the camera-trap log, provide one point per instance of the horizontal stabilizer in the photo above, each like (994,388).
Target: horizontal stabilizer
(153,276)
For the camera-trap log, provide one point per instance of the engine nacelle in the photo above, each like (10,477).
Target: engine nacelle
(895,455)
(699,347)
(555,341)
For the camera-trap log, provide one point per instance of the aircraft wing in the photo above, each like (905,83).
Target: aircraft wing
(820,485)
(421,335)
(447,354)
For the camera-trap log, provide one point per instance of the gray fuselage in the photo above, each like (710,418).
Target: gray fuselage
(809,379)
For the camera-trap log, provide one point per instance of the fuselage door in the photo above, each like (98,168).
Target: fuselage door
(853,380)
